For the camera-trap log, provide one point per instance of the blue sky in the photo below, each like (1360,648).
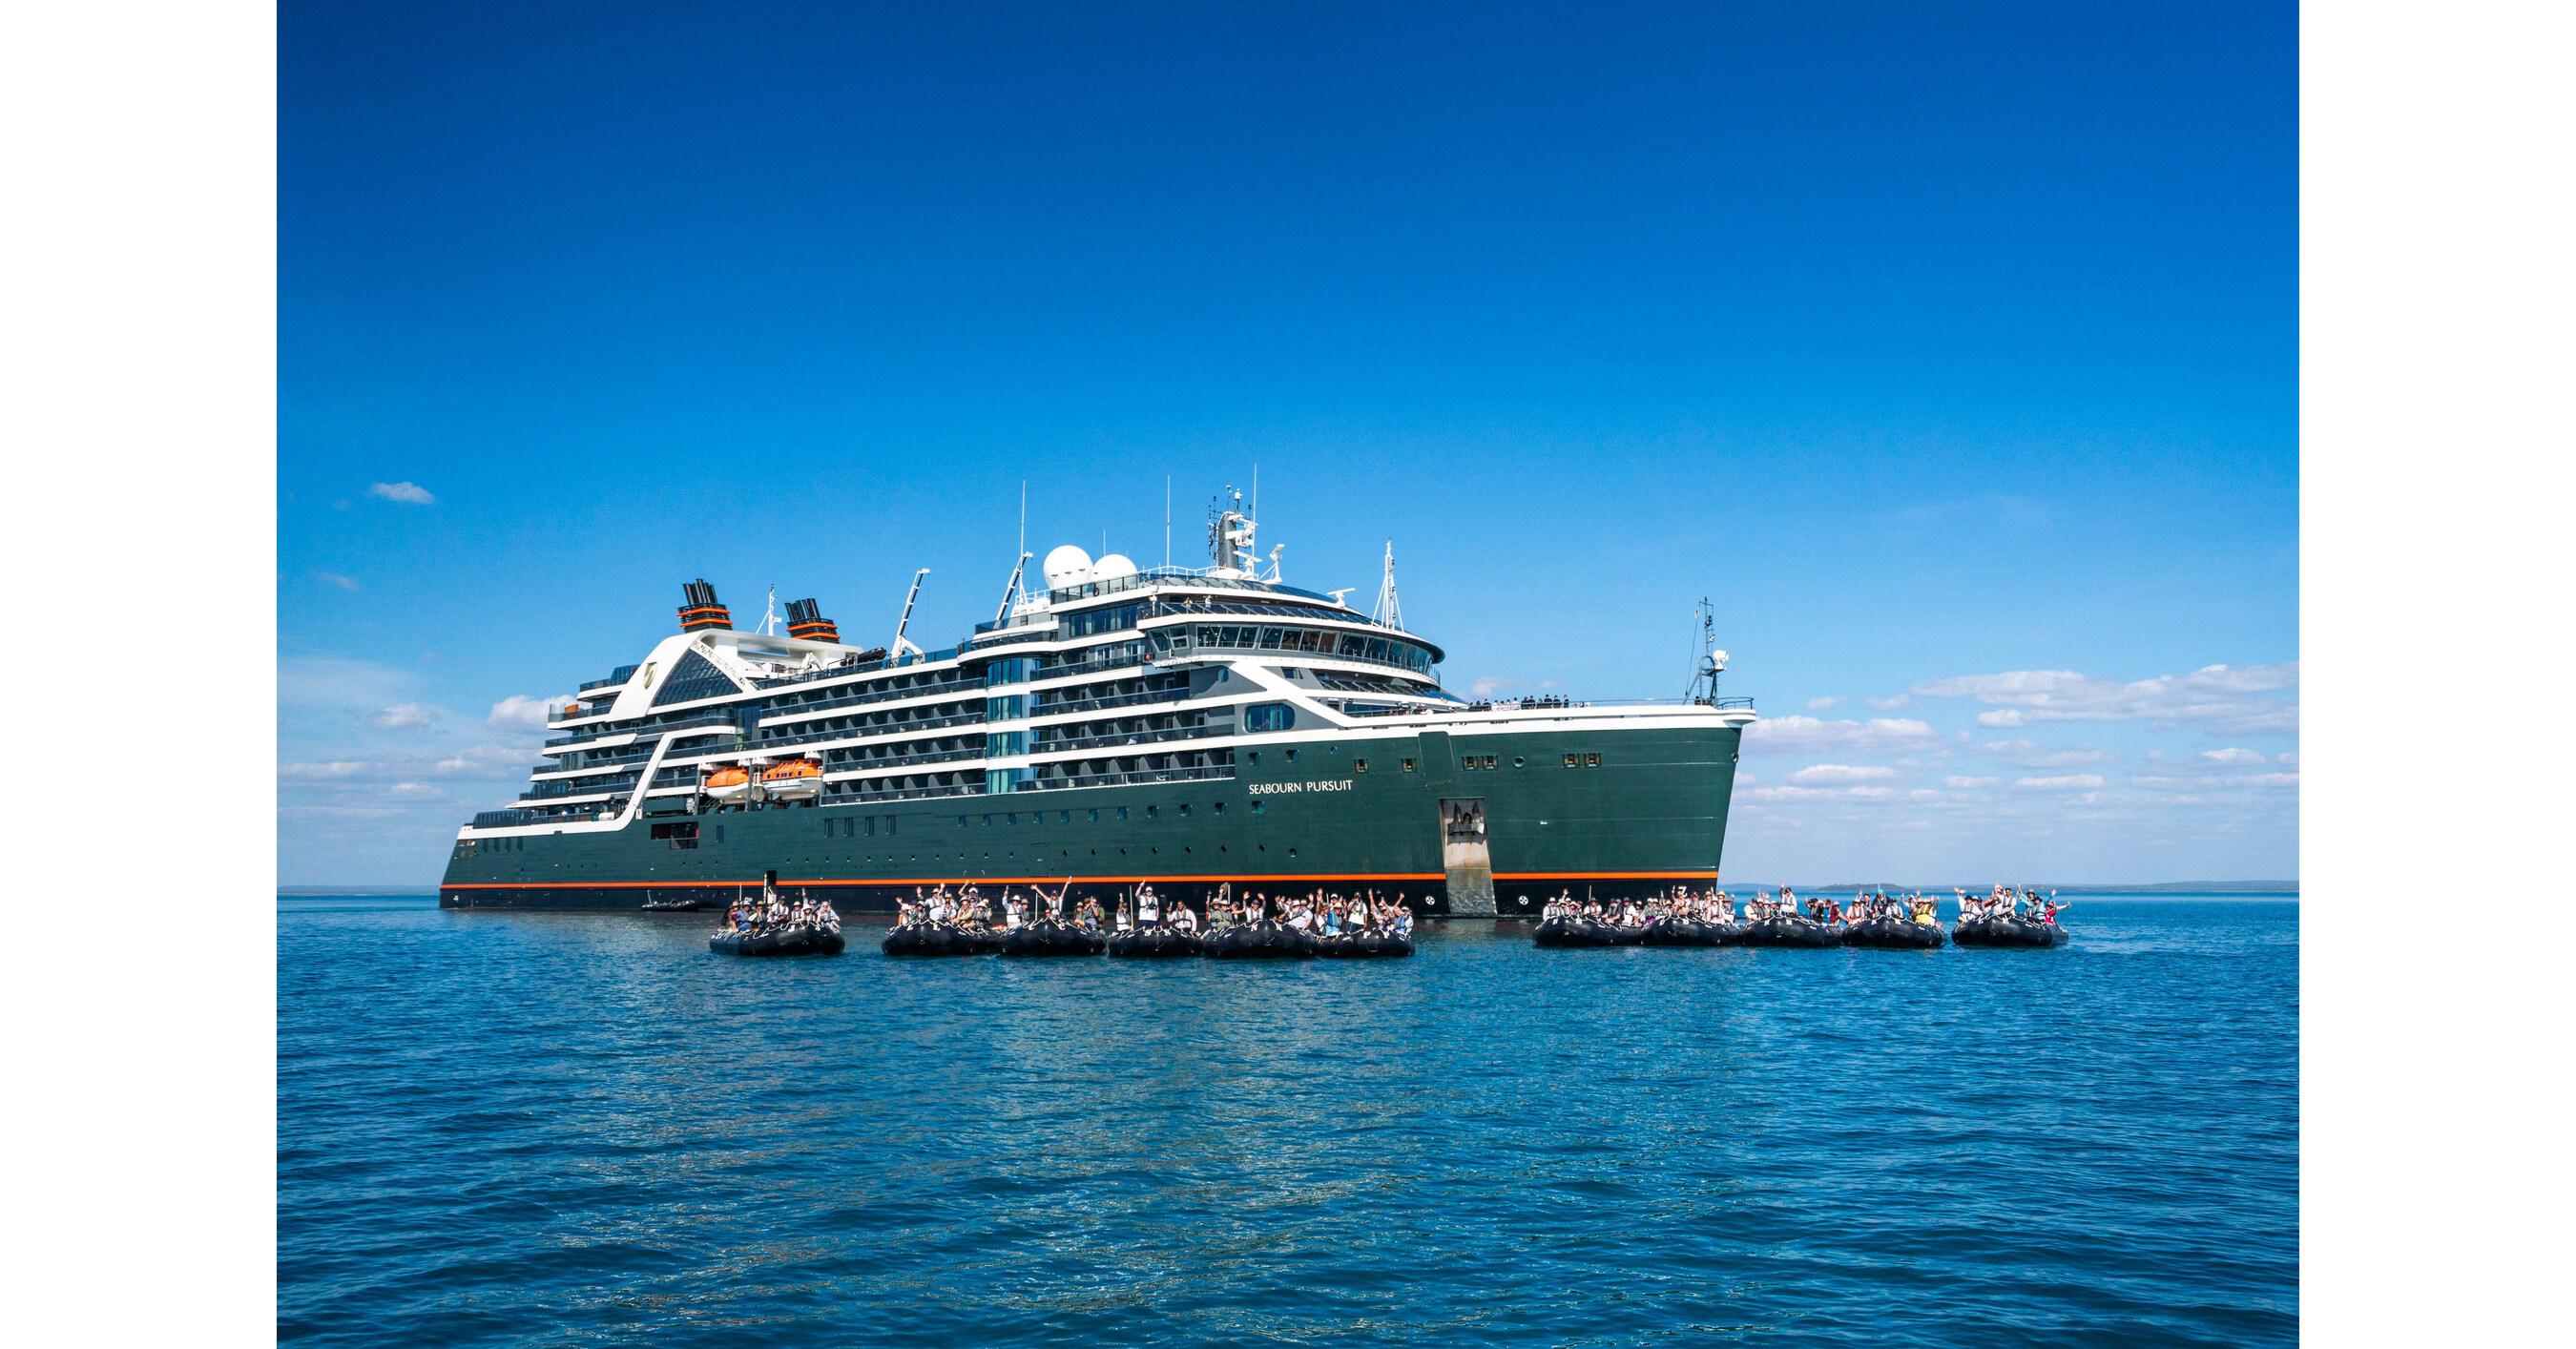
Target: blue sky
(1953,354)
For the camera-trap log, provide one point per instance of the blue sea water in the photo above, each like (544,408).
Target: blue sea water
(586,1129)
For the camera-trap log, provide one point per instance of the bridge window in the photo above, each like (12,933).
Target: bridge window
(1260,717)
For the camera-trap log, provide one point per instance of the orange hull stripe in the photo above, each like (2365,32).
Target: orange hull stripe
(1058,879)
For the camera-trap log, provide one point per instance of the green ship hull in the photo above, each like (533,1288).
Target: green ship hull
(1604,808)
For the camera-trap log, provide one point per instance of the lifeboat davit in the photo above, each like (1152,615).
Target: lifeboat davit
(794,780)
(728,783)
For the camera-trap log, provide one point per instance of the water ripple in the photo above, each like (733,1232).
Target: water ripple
(572,1129)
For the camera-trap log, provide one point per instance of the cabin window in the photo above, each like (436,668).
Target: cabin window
(1095,817)
(1359,765)
(961,820)
(1219,807)
(1489,761)
(1185,810)
(1408,765)
(1256,806)
(1572,759)
(1592,761)
(1468,763)
(1153,812)
(1254,758)
(1064,817)
(1292,756)
(1122,812)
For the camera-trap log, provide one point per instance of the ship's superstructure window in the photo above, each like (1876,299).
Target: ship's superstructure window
(1359,765)
(1110,619)
(1407,765)
(1592,761)
(1262,717)
(694,677)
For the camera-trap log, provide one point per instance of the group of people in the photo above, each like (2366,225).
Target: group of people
(2007,902)
(772,910)
(1320,912)
(1718,906)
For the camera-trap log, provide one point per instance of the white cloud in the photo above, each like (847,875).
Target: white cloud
(1820,704)
(1873,793)
(2231,756)
(489,761)
(2031,754)
(412,493)
(1834,772)
(2071,782)
(1807,735)
(332,579)
(519,712)
(2264,780)
(1891,704)
(402,717)
(1965,783)
(1921,794)
(336,768)
(2223,699)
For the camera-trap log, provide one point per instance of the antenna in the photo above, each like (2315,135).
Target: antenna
(1390,611)
(769,616)
(901,647)
(1167,522)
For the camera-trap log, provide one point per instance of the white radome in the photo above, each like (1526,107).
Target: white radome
(1112,567)
(1068,566)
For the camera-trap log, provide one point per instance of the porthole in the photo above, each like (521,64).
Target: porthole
(1517,762)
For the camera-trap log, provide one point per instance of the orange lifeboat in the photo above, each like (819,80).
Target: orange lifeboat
(794,780)
(730,782)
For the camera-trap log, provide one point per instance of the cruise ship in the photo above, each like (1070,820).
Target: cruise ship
(1191,728)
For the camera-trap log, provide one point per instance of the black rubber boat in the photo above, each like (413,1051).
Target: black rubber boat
(1268,939)
(1363,946)
(1051,937)
(1156,943)
(938,939)
(1684,932)
(794,939)
(1791,930)
(1571,932)
(1895,934)
(2021,932)
(1623,935)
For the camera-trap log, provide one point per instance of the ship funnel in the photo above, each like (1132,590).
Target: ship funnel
(703,609)
(805,619)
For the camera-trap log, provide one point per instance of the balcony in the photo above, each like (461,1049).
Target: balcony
(1150,775)
(1131,738)
(899,761)
(1103,704)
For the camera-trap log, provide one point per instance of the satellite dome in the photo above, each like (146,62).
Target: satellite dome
(1068,566)
(1112,567)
